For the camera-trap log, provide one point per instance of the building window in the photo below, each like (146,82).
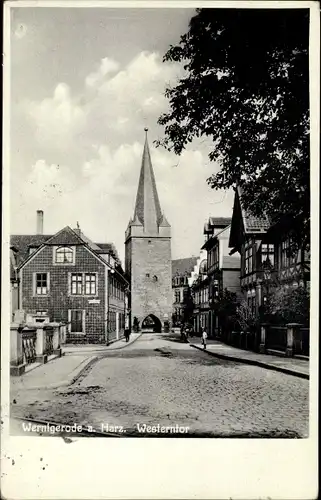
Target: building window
(147,275)
(64,255)
(90,284)
(76,284)
(41,313)
(155,278)
(42,283)
(177,296)
(248,260)
(216,256)
(251,301)
(287,256)
(267,253)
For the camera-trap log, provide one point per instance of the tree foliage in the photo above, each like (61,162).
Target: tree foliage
(288,305)
(246,88)
(246,318)
(188,306)
(225,306)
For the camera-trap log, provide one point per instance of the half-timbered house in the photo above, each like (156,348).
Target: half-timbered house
(266,257)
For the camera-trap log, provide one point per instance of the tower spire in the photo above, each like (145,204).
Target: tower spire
(147,207)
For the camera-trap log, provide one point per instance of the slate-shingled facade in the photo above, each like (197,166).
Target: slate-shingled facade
(72,280)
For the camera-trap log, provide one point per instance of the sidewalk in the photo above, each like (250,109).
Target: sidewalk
(97,349)
(60,372)
(67,369)
(290,366)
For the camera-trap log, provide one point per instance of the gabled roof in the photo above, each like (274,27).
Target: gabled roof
(66,236)
(182,267)
(23,242)
(210,242)
(245,223)
(107,248)
(217,223)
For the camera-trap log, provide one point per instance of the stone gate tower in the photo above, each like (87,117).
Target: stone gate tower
(148,252)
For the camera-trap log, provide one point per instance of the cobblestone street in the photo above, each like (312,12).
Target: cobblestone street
(159,380)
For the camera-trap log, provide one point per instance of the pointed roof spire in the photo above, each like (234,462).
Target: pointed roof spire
(147,207)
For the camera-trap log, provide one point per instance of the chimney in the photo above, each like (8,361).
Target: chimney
(39,222)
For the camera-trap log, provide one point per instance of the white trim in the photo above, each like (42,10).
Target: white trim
(34,288)
(83,284)
(106,301)
(20,289)
(117,325)
(32,256)
(83,321)
(102,261)
(69,321)
(64,264)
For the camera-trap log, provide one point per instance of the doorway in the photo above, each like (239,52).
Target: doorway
(151,324)
(76,321)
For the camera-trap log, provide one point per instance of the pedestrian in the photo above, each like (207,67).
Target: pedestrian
(204,338)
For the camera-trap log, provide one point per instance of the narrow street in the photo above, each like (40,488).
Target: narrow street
(160,381)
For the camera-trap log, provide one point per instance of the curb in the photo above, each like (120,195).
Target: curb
(123,346)
(101,351)
(78,372)
(254,362)
(75,374)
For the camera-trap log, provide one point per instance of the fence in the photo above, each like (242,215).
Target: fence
(305,332)
(33,343)
(49,333)
(290,340)
(29,338)
(276,338)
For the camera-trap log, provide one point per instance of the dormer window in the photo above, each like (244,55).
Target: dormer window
(64,255)
(32,250)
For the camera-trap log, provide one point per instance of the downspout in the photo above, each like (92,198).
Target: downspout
(108,293)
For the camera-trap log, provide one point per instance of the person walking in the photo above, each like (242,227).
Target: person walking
(204,338)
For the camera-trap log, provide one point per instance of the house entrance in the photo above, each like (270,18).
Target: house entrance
(76,323)
(151,324)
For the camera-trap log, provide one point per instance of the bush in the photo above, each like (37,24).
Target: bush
(247,320)
(288,305)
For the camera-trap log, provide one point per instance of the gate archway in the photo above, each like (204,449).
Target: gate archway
(151,324)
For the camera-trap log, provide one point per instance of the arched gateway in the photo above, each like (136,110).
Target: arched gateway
(151,324)
(148,260)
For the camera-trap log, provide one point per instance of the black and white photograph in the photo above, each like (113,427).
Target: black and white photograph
(159,249)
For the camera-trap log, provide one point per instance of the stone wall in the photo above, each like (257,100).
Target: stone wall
(151,280)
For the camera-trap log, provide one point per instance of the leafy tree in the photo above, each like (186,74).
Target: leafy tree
(247,320)
(288,305)
(246,88)
(188,306)
(225,306)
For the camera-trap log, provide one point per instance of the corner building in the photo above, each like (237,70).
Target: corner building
(148,254)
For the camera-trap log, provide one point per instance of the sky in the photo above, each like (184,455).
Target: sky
(84,84)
